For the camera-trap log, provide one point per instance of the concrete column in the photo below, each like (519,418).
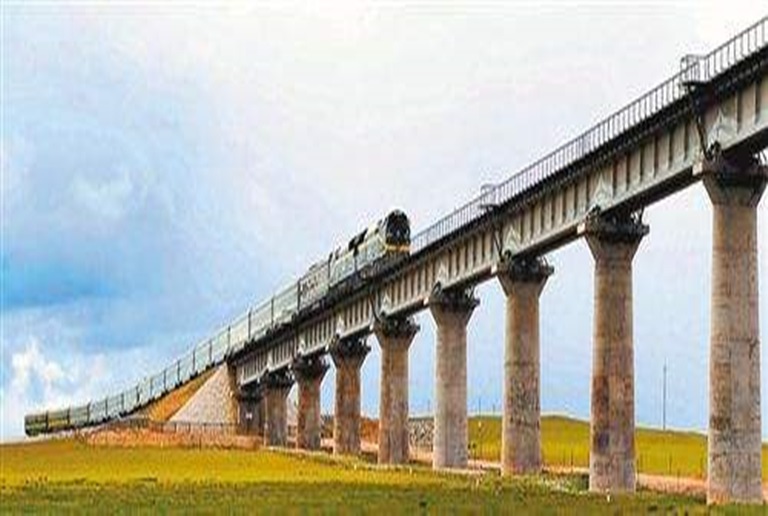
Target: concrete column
(522,281)
(395,337)
(249,412)
(734,360)
(309,373)
(451,311)
(348,357)
(276,389)
(612,431)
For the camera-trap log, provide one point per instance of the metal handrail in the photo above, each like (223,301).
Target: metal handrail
(665,94)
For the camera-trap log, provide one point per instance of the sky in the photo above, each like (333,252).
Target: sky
(164,166)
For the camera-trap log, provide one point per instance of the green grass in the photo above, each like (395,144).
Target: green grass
(69,476)
(72,477)
(565,442)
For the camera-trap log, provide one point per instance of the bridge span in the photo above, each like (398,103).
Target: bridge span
(709,124)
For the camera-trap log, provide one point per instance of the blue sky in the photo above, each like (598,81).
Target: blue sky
(166,166)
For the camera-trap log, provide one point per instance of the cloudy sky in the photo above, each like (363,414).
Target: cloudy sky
(165,166)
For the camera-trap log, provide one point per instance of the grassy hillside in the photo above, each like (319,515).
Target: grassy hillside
(565,442)
(69,476)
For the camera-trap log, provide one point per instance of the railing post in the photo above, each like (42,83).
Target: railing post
(210,351)
(249,325)
(194,352)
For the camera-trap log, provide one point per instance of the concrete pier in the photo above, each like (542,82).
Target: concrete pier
(249,412)
(451,311)
(395,337)
(613,243)
(734,458)
(309,373)
(276,388)
(522,281)
(348,357)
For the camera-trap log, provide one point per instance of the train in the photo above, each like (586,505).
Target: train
(346,267)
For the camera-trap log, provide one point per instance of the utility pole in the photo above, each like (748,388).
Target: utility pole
(664,399)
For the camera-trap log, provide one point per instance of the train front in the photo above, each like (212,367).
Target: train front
(397,232)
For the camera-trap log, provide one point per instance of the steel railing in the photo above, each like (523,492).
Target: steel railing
(702,68)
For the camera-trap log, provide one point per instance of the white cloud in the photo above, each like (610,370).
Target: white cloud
(108,198)
(40,382)
(47,366)
(30,362)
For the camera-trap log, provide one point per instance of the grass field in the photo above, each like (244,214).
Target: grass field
(69,476)
(565,442)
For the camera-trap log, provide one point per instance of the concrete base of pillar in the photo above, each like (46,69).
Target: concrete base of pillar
(348,357)
(451,312)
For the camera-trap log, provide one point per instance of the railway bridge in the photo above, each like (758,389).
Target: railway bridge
(707,124)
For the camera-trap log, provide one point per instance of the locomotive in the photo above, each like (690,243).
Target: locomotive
(347,266)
